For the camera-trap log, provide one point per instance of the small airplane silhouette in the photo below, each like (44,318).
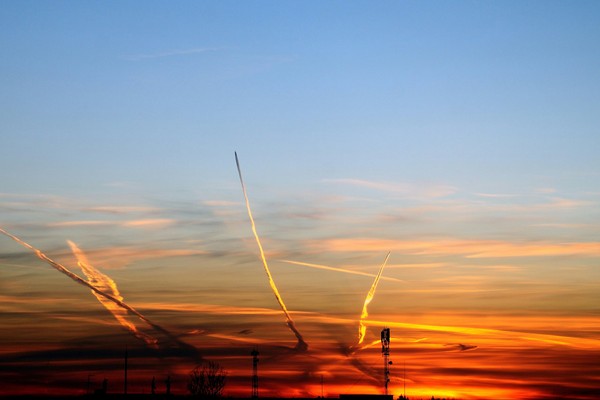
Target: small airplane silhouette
(462,347)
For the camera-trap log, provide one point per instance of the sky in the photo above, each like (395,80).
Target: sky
(460,137)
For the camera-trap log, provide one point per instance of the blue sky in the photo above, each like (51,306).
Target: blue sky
(461,136)
(467,93)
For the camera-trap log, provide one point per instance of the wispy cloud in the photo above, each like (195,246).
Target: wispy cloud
(468,248)
(122,209)
(221,203)
(152,223)
(408,189)
(566,226)
(169,53)
(115,257)
(79,223)
(211,309)
(149,223)
(562,203)
(546,190)
(35,201)
(495,195)
(417,266)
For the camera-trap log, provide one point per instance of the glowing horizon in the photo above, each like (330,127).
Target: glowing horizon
(419,339)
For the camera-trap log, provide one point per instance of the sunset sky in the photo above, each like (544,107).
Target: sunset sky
(463,137)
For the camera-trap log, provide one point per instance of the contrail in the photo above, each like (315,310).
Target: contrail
(107,285)
(110,297)
(302,345)
(362,329)
(346,271)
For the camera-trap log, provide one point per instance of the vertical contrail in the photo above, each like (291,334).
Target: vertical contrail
(362,329)
(107,285)
(302,345)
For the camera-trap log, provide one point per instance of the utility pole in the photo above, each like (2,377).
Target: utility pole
(254,355)
(125,377)
(385,352)
(89,381)
(322,386)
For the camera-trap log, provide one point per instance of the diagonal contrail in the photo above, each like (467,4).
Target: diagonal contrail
(107,285)
(110,297)
(302,345)
(362,329)
(346,271)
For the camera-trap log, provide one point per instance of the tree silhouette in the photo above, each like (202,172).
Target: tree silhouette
(207,380)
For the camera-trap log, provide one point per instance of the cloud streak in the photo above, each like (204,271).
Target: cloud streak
(122,209)
(467,248)
(411,190)
(118,256)
(151,223)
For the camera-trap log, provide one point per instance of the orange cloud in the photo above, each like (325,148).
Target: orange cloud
(149,223)
(122,209)
(468,248)
(210,309)
(136,223)
(80,223)
(115,257)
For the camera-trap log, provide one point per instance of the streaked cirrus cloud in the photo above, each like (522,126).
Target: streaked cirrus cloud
(136,223)
(119,256)
(406,189)
(122,209)
(476,248)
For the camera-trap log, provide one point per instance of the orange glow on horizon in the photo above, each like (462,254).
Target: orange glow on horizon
(468,248)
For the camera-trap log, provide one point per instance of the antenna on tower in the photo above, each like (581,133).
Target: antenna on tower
(385,352)
(254,355)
